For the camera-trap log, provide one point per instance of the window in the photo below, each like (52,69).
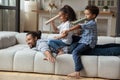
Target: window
(9,15)
(100,2)
(8,2)
(111,3)
(91,2)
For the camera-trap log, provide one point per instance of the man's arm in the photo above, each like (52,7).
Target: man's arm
(43,47)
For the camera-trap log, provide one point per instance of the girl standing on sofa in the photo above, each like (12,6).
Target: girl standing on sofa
(88,38)
(66,14)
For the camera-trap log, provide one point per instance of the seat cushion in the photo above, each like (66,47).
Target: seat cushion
(109,67)
(64,64)
(90,65)
(7,57)
(43,66)
(24,60)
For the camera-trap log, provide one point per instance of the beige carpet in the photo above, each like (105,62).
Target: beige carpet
(32,76)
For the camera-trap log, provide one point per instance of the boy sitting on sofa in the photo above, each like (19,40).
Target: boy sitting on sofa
(88,38)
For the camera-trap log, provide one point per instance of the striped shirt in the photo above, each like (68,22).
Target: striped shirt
(42,45)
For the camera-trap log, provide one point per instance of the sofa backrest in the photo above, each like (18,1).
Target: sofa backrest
(49,36)
(117,40)
(106,39)
(21,37)
(7,39)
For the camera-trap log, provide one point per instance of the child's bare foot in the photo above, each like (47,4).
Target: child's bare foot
(75,74)
(60,52)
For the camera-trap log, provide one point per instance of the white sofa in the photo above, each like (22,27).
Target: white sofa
(15,55)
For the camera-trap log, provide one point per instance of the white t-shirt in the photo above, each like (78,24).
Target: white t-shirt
(65,26)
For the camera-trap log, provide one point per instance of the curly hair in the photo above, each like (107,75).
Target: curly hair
(71,13)
(93,9)
(35,34)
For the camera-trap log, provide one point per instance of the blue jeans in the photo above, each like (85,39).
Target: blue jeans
(100,50)
(77,52)
(56,44)
(111,49)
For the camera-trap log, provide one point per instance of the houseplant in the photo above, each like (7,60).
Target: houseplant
(105,8)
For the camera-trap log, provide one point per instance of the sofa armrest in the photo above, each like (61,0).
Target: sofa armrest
(7,39)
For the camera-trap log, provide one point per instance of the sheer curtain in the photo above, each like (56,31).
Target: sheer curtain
(22,15)
(7,17)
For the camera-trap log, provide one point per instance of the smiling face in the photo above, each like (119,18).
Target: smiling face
(31,41)
(63,17)
(89,15)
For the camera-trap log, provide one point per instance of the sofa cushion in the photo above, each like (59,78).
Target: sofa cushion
(7,39)
(7,57)
(44,35)
(51,36)
(90,65)
(109,67)
(105,40)
(24,60)
(64,64)
(28,60)
(21,38)
(117,40)
(1,43)
(43,66)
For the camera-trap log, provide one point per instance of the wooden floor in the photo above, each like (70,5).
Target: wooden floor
(31,76)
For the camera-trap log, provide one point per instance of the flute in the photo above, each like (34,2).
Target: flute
(55,17)
(78,21)
(73,23)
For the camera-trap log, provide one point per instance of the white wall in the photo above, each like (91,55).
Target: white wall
(77,5)
(28,19)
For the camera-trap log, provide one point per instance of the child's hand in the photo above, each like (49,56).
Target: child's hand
(65,32)
(56,37)
(52,23)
